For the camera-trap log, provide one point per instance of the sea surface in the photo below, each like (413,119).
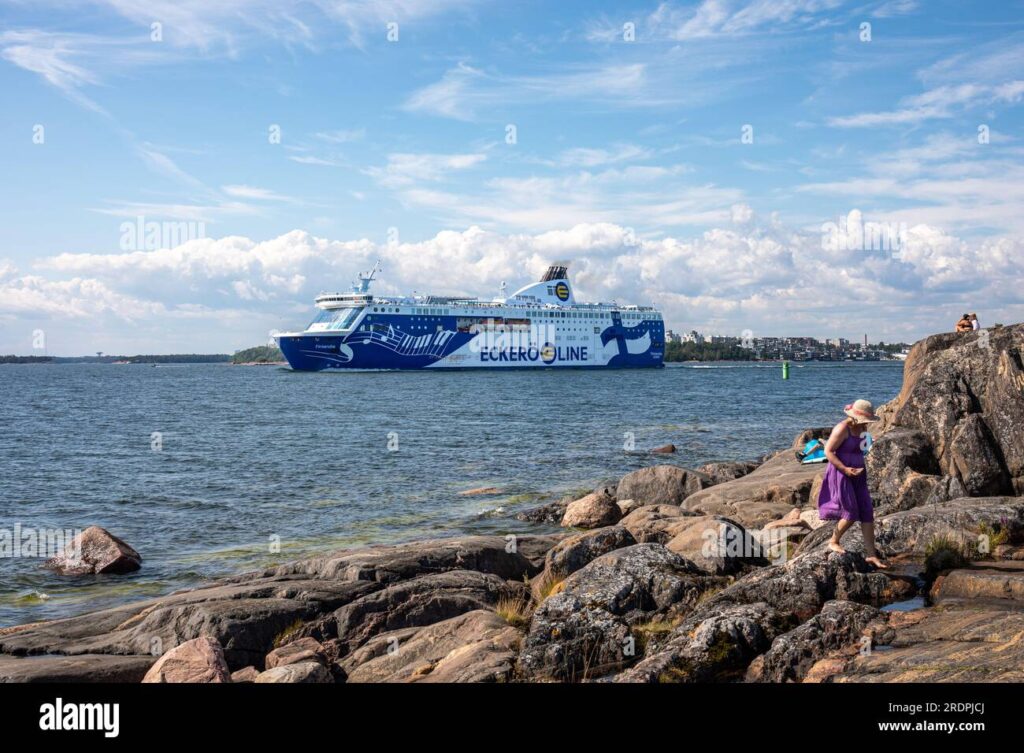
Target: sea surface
(212,469)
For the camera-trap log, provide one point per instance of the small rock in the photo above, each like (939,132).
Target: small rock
(200,660)
(550,513)
(95,550)
(480,491)
(246,674)
(665,449)
(303,672)
(592,511)
(791,520)
(302,650)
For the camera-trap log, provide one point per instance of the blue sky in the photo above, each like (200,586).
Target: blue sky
(631,159)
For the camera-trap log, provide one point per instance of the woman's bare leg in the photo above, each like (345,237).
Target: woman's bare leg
(842,526)
(867,530)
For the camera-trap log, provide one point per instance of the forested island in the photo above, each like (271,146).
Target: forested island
(170,358)
(261,354)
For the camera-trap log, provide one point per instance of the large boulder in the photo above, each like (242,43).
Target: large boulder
(477,646)
(763,495)
(657,524)
(711,648)
(717,545)
(993,582)
(595,510)
(197,661)
(575,552)
(94,551)
(587,629)
(727,470)
(413,603)
(791,656)
(661,485)
(960,411)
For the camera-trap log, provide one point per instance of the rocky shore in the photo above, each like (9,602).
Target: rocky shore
(719,573)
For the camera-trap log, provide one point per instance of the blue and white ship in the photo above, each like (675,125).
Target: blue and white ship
(539,326)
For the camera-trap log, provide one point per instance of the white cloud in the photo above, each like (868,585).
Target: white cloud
(723,18)
(222,29)
(464,92)
(253,192)
(941,102)
(342,136)
(590,157)
(771,279)
(404,169)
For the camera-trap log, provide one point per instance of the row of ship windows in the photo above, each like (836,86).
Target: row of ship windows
(535,314)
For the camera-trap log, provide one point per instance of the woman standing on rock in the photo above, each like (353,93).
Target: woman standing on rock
(844,495)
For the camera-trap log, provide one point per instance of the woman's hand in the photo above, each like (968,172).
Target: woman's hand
(852,472)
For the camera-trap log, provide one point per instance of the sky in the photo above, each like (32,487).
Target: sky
(186,175)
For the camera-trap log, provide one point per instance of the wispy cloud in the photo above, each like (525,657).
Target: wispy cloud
(342,136)
(942,102)
(403,169)
(464,92)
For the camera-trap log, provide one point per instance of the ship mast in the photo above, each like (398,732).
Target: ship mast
(365,278)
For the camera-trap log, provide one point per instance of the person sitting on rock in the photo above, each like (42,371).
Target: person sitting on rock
(964,325)
(975,324)
(844,495)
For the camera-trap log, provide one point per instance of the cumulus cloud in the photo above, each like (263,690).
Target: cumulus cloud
(229,292)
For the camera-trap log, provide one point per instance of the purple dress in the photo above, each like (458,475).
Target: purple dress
(844,497)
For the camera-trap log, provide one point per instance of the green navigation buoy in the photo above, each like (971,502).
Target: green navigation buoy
(785,369)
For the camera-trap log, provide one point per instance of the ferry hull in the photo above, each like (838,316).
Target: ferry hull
(389,347)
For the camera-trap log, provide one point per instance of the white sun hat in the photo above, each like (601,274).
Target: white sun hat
(861,411)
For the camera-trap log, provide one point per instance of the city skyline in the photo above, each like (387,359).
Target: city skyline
(189,175)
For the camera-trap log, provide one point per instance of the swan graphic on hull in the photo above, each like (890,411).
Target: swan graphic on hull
(539,326)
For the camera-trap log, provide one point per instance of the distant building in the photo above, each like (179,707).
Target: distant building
(672,337)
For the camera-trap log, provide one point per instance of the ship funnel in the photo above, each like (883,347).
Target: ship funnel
(557,271)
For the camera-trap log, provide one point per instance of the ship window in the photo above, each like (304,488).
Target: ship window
(337,318)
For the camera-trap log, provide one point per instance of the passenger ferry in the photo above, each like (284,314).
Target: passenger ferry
(539,326)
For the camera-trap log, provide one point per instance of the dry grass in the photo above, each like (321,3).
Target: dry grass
(516,611)
(546,585)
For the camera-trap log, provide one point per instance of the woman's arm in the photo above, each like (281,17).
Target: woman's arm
(835,439)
